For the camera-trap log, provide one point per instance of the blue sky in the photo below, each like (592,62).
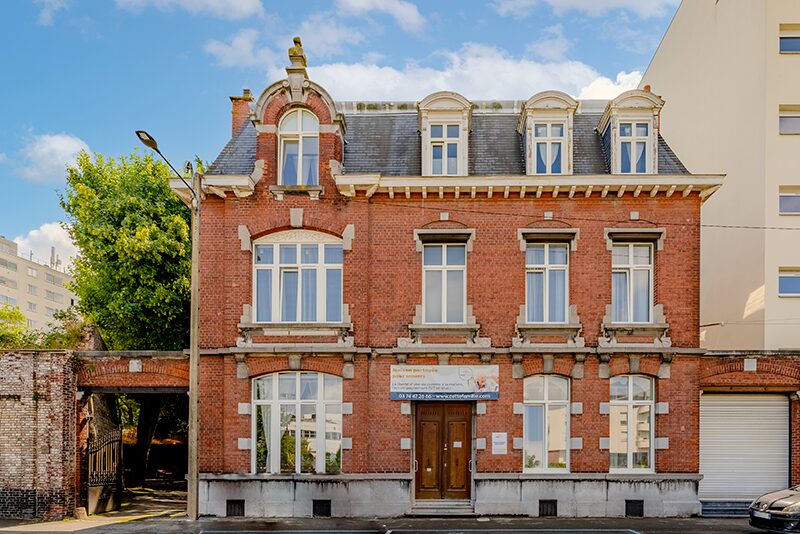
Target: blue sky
(84,74)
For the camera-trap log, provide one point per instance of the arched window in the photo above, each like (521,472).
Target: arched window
(299,148)
(631,422)
(297,423)
(298,277)
(546,424)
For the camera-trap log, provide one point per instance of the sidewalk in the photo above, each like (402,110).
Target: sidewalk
(496,525)
(138,504)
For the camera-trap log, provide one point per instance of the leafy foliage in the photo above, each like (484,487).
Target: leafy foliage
(14,331)
(64,333)
(132,276)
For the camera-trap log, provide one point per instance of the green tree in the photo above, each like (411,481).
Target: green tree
(132,275)
(14,331)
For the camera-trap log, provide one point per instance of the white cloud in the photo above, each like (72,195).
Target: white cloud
(477,71)
(553,46)
(605,88)
(241,50)
(3,157)
(643,8)
(39,241)
(404,13)
(323,36)
(48,10)
(227,9)
(46,156)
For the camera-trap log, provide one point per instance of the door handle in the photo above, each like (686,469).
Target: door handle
(469,466)
(416,465)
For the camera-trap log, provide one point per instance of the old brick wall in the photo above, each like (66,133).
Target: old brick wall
(37,434)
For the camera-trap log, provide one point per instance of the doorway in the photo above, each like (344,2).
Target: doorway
(443,450)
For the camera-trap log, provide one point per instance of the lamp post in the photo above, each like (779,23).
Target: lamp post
(194,330)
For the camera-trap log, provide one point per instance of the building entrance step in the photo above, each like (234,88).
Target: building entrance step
(442,507)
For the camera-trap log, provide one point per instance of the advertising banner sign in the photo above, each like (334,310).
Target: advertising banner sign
(444,382)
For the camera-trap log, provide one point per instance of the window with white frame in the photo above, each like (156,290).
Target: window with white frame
(444,149)
(789,283)
(299,148)
(546,423)
(631,282)
(32,272)
(789,203)
(32,290)
(5,299)
(631,422)
(633,151)
(297,423)
(444,286)
(549,147)
(789,123)
(298,282)
(547,282)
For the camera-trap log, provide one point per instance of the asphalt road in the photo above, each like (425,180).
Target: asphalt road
(396,526)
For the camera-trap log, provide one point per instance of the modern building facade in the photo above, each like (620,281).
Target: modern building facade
(729,72)
(38,289)
(449,305)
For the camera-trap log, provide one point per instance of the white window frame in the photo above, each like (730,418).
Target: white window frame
(443,142)
(787,274)
(788,115)
(33,273)
(296,135)
(546,403)
(630,268)
(549,140)
(630,404)
(787,194)
(444,268)
(275,425)
(277,268)
(547,268)
(634,139)
(33,290)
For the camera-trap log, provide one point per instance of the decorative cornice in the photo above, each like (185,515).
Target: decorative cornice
(520,186)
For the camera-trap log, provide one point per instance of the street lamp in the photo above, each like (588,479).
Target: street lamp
(194,331)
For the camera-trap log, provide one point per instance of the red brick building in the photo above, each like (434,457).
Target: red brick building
(453,305)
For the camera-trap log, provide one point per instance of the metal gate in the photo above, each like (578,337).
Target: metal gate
(104,478)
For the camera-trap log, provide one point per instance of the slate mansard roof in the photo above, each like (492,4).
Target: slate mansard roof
(389,143)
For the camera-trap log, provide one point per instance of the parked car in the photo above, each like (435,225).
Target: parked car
(778,511)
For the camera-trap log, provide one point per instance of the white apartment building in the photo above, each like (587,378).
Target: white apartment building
(38,289)
(729,71)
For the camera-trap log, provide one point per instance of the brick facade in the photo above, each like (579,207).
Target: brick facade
(37,425)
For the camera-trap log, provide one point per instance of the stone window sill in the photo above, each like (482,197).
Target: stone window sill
(569,331)
(339,330)
(313,191)
(469,331)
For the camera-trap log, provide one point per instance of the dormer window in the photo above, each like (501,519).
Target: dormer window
(299,148)
(633,140)
(546,125)
(444,124)
(444,149)
(629,127)
(549,138)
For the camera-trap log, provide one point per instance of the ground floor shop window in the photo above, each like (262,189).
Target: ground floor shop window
(546,424)
(297,420)
(631,423)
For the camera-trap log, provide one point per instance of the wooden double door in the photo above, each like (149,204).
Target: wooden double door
(443,450)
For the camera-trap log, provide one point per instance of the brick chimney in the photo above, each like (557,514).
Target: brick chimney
(241,110)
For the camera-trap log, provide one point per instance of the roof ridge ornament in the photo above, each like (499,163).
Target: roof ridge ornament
(296,72)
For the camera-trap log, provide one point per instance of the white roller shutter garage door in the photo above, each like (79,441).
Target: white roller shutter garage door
(744,446)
